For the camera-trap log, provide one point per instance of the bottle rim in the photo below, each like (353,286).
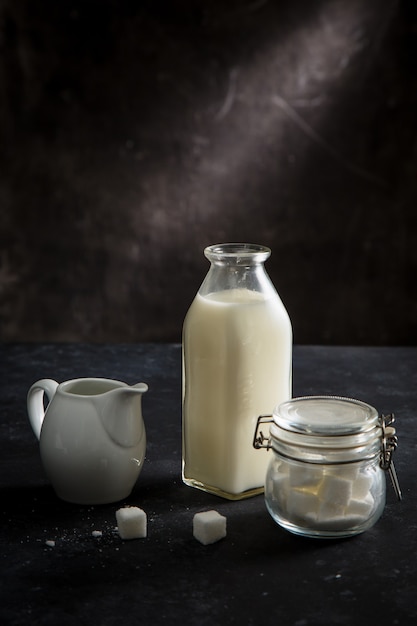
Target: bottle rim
(241,252)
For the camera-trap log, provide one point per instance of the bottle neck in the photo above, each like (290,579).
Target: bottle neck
(237,266)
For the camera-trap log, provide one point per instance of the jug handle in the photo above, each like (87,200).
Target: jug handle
(35,405)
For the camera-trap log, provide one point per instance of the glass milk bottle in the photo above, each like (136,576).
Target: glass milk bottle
(237,365)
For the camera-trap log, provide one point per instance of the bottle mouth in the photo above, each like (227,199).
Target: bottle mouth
(240,252)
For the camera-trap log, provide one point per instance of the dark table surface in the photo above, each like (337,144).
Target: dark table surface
(258,574)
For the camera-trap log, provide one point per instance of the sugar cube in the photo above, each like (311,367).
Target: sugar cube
(277,488)
(350,472)
(301,503)
(131,522)
(209,527)
(330,512)
(303,476)
(361,487)
(336,489)
(362,508)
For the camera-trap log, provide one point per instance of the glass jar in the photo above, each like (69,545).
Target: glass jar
(326,477)
(237,363)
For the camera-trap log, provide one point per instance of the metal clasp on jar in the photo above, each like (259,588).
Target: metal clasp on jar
(389,444)
(259,438)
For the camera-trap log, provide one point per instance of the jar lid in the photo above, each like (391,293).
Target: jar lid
(331,416)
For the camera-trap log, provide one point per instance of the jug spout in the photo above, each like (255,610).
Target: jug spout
(122,414)
(141,387)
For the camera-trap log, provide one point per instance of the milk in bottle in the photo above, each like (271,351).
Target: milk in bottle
(237,360)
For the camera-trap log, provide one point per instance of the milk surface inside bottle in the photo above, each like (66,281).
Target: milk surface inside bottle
(237,364)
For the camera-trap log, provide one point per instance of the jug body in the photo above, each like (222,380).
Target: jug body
(92,442)
(237,363)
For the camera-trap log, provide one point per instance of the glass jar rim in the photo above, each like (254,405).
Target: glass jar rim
(241,252)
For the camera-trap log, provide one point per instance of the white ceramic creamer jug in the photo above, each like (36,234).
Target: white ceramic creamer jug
(92,437)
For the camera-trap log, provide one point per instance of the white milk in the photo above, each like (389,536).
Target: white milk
(237,365)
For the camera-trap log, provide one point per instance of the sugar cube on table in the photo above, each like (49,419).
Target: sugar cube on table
(209,527)
(131,522)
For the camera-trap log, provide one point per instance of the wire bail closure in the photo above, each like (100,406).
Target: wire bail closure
(389,444)
(259,439)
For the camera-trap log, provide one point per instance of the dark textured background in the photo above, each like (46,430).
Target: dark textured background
(133,134)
